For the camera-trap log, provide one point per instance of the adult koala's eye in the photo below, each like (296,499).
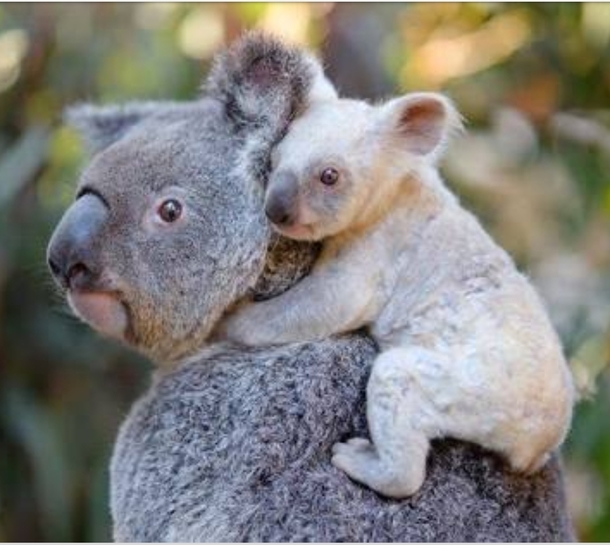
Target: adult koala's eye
(170,210)
(329,176)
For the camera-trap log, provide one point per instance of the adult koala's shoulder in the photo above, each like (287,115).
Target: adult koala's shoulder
(231,444)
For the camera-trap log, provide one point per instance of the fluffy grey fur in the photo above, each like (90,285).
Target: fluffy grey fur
(234,444)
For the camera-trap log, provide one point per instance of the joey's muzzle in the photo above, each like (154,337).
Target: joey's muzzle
(281,198)
(73,251)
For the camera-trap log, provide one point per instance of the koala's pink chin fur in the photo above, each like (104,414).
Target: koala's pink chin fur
(103,311)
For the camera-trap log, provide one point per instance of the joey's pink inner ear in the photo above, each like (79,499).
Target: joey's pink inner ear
(422,122)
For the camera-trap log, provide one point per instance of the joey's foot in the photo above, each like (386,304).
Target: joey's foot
(359,459)
(528,464)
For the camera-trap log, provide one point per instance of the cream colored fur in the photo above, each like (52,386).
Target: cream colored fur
(467,349)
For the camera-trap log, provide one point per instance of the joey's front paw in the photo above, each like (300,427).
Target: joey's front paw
(230,329)
(243,326)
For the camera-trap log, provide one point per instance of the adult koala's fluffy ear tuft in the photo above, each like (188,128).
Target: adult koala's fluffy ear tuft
(260,79)
(262,84)
(102,126)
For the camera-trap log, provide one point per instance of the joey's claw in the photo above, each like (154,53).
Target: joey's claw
(240,330)
(219,333)
(337,448)
(227,330)
(354,444)
(224,329)
(359,443)
(355,462)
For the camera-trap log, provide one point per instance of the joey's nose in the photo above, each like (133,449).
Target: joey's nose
(73,255)
(281,198)
(278,213)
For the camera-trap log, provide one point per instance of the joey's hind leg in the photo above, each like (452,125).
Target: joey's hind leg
(399,418)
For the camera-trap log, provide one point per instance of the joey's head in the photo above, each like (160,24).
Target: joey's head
(343,162)
(167,229)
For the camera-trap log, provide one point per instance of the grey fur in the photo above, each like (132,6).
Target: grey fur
(236,447)
(260,67)
(232,444)
(102,126)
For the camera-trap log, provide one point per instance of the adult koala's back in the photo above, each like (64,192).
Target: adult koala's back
(234,444)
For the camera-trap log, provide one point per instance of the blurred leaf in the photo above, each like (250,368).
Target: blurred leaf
(98,512)
(591,358)
(33,428)
(21,162)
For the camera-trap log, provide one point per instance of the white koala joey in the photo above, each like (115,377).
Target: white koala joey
(467,349)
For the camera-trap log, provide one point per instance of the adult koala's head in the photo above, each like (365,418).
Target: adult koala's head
(167,228)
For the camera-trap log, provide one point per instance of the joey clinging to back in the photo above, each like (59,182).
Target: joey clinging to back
(467,348)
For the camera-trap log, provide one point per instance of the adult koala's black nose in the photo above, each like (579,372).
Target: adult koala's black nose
(72,254)
(281,198)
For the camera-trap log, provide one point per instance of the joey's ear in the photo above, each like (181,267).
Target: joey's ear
(422,122)
(100,126)
(260,79)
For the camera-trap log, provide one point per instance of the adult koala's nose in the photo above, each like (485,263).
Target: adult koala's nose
(72,255)
(281,198)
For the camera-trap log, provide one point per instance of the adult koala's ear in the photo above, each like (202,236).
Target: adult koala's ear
(261,80)
(100,126)
(422,123)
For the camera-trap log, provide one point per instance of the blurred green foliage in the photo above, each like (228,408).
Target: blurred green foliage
(533,81)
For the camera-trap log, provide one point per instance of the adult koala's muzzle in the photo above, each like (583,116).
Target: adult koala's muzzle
(71,256)
(74,258)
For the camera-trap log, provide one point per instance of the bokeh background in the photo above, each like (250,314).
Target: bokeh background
(533,81)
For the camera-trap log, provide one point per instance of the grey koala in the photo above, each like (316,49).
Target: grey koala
(232,444)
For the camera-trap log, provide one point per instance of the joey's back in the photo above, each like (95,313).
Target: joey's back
(432,251)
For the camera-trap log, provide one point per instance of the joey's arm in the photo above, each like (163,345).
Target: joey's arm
(334,298)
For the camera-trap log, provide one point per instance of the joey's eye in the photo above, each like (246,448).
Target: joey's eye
(329,176)
(170,210)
